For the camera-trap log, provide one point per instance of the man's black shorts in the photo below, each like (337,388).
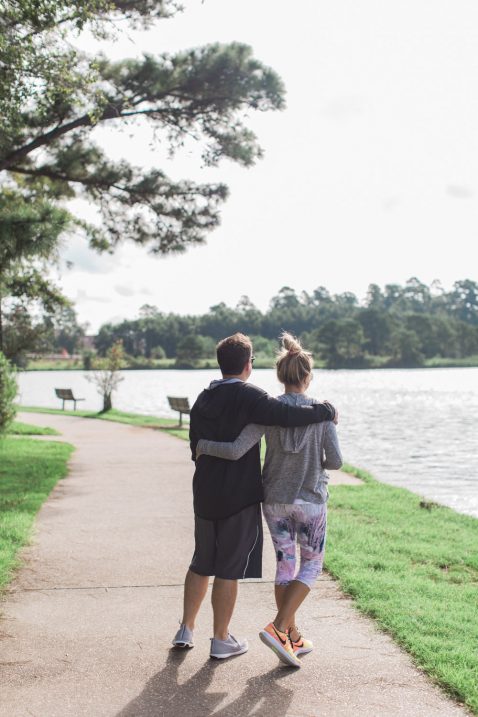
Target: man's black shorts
(230,548)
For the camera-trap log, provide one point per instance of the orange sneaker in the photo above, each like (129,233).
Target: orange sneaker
(302,646)
(280,643)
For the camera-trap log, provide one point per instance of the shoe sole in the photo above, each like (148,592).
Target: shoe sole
(301,651)
(229,654)
(183,645)
(281,653)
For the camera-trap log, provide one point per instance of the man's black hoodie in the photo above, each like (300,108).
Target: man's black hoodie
(222,488)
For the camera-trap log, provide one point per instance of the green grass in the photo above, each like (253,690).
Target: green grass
(134,419)
(29,469)
(55,365)
(415,571)
(143,364)
(440,362)
(27,429)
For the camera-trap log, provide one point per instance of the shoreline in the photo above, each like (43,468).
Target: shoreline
(213,367)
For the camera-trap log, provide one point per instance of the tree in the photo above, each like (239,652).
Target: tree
(342,342)
(53,97)
(286,299)
(8,392)
(219,322)
(27,298)
(106,375)
(321,297)
(249,316)
(406,349)
(377,328)
(466,339)
(66,333)
(463,301)
(375,298)
(193,347)
(416,296)
(28,239)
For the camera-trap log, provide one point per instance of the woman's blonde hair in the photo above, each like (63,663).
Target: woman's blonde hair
(293,364)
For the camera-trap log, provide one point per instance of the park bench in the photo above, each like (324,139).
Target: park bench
(66,394)
(181,405)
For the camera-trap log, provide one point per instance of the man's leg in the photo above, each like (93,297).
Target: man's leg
(224,594)
(195,588)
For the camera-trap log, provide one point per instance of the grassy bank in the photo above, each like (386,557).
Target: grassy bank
(27,429)
(373,362)
(413,566)
(133,419)
(29,469)
(140,364)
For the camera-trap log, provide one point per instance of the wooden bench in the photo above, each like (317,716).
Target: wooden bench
(66,394)
(181,405)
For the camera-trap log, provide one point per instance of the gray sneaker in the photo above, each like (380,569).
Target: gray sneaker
(220,649)
(183,637)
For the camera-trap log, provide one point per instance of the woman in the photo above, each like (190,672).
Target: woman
(295,502)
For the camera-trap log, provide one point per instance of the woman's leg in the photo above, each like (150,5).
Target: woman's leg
(311,535)
(290,599)
(289,593)
(283,536)
(310,525)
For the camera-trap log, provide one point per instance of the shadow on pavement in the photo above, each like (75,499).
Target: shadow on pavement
(163,696)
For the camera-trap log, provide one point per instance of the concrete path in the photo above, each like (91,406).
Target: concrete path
(87,624)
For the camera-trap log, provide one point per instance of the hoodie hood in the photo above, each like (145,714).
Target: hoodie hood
(211,402)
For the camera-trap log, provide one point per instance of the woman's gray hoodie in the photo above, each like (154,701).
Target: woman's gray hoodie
(296,458)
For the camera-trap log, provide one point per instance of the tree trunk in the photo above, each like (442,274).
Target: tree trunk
(107,403)
(1,326)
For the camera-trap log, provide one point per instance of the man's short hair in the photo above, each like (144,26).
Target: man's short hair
(233,353)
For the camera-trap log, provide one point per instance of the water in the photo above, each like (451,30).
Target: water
(412,428)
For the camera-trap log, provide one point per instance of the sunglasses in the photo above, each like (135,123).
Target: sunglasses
(253,358)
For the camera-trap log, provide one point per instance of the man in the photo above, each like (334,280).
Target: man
(228,494)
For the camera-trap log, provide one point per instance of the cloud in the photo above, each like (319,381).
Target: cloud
(82,297)
(459,191)
(77,253)
(343,108)
(124,290)
(390,203)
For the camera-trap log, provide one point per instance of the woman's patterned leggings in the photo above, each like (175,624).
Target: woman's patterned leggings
(305,524)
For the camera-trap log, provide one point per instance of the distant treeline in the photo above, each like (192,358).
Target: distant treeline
(395,326)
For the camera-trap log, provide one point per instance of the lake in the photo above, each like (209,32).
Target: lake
(412,428)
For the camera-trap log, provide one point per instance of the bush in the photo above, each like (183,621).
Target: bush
(88,357)
(157,352)
(264,348)
(8,391)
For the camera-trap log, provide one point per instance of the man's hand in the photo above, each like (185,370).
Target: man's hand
(334,411)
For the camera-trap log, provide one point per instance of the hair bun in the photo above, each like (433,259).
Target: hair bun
(290,343)
(294,364)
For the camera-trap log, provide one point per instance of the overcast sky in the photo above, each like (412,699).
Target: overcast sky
(369,175)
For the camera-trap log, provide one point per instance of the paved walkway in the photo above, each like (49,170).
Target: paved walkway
(86,627)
